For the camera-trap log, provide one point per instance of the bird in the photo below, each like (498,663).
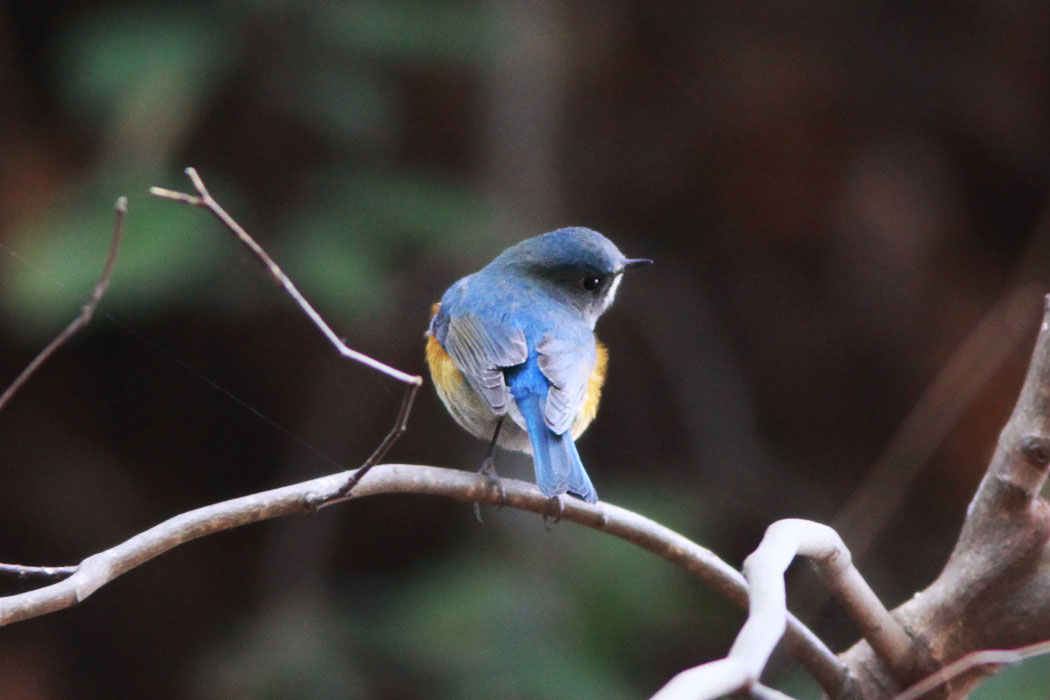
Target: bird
(513,355)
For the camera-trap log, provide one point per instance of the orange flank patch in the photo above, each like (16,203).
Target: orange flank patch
(445,374)
(594,391)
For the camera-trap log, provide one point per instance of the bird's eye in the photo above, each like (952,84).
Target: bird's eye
(592,282)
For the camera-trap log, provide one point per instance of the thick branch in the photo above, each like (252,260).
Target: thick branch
(994,591)
(1022,455)
(99,569)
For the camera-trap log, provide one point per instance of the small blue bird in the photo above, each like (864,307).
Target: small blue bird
(517,339)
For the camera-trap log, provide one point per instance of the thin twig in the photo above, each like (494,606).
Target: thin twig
(400,423)
(86,311)
(987,657)
(204,200)
(99,569)
(36,572)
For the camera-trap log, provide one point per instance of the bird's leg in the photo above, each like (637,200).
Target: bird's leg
(488,468)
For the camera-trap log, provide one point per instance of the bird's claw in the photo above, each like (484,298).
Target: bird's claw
(488,468)
(558,509)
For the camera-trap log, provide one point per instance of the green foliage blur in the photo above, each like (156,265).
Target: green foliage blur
(143,78)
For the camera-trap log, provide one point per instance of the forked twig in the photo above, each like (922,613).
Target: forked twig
(86,311)
(204,200)
(120,209)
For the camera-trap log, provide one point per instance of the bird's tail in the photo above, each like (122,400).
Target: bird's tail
(557,463)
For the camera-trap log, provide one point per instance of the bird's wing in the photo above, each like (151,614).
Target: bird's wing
(567,366)
(481,351)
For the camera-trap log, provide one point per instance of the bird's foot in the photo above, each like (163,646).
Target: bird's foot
(488,468)
(557,510)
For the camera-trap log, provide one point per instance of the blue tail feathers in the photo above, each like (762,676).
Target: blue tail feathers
(558,466)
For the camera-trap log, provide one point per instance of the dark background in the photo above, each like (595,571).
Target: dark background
(835,196)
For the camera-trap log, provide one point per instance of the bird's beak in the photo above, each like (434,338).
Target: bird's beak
(636,262)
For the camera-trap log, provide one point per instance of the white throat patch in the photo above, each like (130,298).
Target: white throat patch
(610,293)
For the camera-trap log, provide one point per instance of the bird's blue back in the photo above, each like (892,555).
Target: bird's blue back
(504,305)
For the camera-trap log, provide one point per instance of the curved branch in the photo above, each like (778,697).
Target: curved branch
(99,569)
(767,613)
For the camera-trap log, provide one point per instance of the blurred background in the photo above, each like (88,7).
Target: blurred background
(837,197)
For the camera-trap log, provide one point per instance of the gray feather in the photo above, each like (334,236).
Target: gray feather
(481,352)
(568,367)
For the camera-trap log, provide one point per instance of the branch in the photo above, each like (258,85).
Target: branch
(99,569)
(26,572)
(973,660)
(767,613)
(1022,454)
(86,311)
(204,200)
(993,592)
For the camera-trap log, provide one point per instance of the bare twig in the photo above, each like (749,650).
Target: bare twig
(973,660)
(767,612)
(86,311)
(204,200)
(99,569)
(36,572)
